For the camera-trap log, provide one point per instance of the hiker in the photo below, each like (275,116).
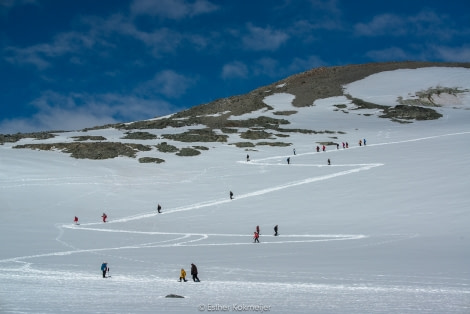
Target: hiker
(256,237)
(337,146)
(288,160)
(231,195)
(104,269)
(194,273)
(323,148)
(347,145)
(364,142)
(360,142)
(159,209)
(183,275)
(75,220)
(318,149)
(329,163)
(344,145)
(275,230)
(247,157)
(104,217)
(257,229)
(294,151)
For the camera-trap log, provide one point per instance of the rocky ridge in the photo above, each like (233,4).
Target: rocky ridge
(220,116)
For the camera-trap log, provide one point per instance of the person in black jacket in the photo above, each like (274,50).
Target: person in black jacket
(194,273)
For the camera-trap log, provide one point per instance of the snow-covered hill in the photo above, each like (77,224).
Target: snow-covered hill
(382,229)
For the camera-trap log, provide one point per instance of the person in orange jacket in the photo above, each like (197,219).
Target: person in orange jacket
(183,275)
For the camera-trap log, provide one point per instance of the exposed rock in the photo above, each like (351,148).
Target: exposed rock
(89,138)
(197,135)
(13,138)
(187,151)
(151,160)
(95,150)
(201,147)
(281,144)
(244,144)
(411,113)
(255,135)
(139,136)
(164,147)
(174,296)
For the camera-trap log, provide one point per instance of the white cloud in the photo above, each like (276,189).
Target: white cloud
(235,69)
(102,34)
(331,6)
(382,24)
(266,66)
(263,38)
(103,30)
(167,83)
(454,54)
(39,55)
(428,52)
(29,55)
(425,23)
(172,9)
(13,3)
(77,111)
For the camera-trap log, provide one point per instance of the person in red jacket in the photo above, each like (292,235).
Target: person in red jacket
(256,237)
(104,217)
(75,220)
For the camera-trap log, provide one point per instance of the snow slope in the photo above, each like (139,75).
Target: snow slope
(383,229)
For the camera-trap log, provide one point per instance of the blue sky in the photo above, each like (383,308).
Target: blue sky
(67,65)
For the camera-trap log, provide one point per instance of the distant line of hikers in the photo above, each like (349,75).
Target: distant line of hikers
(256,234)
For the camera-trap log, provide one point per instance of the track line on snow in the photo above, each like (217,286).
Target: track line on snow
(362,167)
(190,239)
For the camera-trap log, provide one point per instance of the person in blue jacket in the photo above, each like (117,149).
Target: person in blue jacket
(104,269)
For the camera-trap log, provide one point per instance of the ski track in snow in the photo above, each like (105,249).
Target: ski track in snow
(203,239)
